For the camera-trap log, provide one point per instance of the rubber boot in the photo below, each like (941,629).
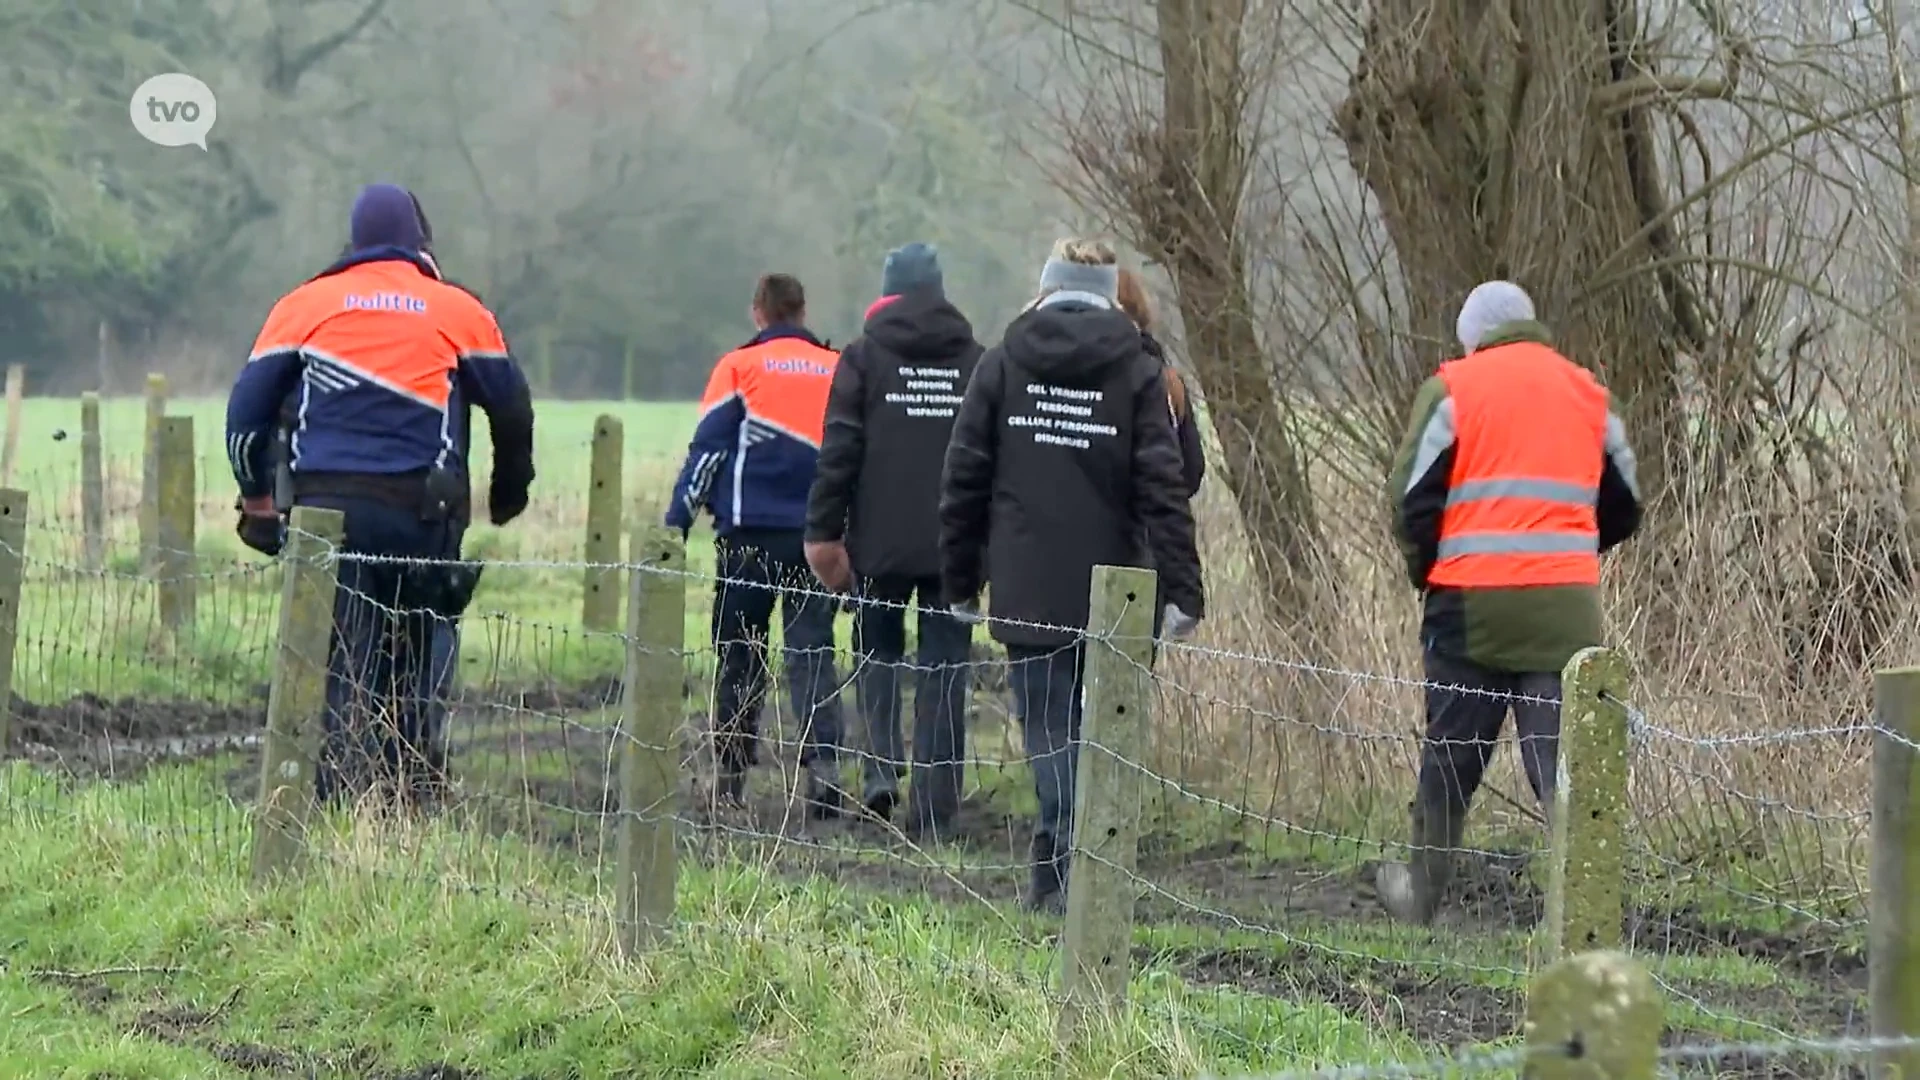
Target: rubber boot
(1047,886)
(933,802)
(730,785)
(732,757)
(1412,891)
(824,796)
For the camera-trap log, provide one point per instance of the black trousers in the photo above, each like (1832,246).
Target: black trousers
(391,666)
(1467,707)
(941,682)
(1047,686)
(757,568)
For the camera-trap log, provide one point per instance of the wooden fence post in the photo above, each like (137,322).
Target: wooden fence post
(1096,947)
(1586,907)
(178,522)
(650,718)
(1594,1016)
(93,484)
(604,497)
(150,473)
(16,393)
(290,753)
(1893,930)
(13,571)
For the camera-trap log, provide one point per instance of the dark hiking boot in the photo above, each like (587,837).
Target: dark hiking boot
(1047,883)
(922,827)
(730,786)
(1412,891)
(880,805)
(824,797)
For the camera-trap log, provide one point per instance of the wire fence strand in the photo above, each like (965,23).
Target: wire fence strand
(1274,794)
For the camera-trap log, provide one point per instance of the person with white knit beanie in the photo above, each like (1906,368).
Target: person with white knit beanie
(1513,478)
(1489,306)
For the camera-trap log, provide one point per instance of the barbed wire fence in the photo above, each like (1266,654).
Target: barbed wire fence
(1233,808)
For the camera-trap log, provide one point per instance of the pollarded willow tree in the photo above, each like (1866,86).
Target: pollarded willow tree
(1681,196)
(1702,214)
(1515,139)
(1174,175)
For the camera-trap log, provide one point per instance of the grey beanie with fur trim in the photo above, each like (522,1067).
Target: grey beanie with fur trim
(1099,280)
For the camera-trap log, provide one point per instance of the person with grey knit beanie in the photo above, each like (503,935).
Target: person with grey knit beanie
(873,529)
(1513,478)
(1063,458)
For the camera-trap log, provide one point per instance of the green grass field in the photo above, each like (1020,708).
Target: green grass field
(135,947)
(239,593)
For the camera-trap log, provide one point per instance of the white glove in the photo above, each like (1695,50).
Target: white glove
(1177,625)
(968,612)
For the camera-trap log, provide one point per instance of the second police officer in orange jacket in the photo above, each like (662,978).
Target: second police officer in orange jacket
(751,463)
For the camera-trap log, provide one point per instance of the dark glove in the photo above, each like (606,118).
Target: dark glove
(506,499)
(264,534)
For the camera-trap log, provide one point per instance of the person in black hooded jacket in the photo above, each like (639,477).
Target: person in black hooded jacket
(873,516)
(1063,458)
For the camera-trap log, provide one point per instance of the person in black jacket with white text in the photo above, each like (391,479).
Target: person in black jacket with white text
(873,516)
(1063,458)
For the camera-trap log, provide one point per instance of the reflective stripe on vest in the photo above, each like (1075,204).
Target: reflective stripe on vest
(1529,438)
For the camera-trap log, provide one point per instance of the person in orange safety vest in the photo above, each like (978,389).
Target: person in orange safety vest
(1514,477)
(751,463)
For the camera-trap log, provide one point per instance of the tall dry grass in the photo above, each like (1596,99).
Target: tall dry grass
(1753,615)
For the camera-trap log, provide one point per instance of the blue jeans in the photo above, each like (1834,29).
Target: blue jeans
(941,684)
(1046,687)
(392,659)
(756,568)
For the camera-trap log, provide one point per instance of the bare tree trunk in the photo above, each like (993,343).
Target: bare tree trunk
(1508,139)
(1189,215)
(1907,140)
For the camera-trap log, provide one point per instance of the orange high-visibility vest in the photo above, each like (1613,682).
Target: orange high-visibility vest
(1530,431)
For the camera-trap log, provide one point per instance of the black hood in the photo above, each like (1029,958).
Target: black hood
(921,323)
(1072,343)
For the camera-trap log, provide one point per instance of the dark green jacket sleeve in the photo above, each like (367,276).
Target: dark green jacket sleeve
(1417,484)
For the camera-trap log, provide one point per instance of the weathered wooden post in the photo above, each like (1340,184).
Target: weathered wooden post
(650,722)
(150,473)
(601,605)
(1096,947)
(1893,929)
(1594,1016)
(16,402)
(1585,886)
(291,752)
(178,522)
(13,571)
(93,484)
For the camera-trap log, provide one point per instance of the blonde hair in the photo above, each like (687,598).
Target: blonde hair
(1086,252)
(1133,298)
(1134,301)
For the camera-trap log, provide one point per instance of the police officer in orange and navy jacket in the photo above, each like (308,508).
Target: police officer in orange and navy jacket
(383,359)
(751,463)
(1515,475)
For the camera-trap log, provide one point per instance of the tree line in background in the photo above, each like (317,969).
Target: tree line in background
(1713,201)
(610,175)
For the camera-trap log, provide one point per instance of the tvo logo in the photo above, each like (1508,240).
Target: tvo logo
(174,109)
